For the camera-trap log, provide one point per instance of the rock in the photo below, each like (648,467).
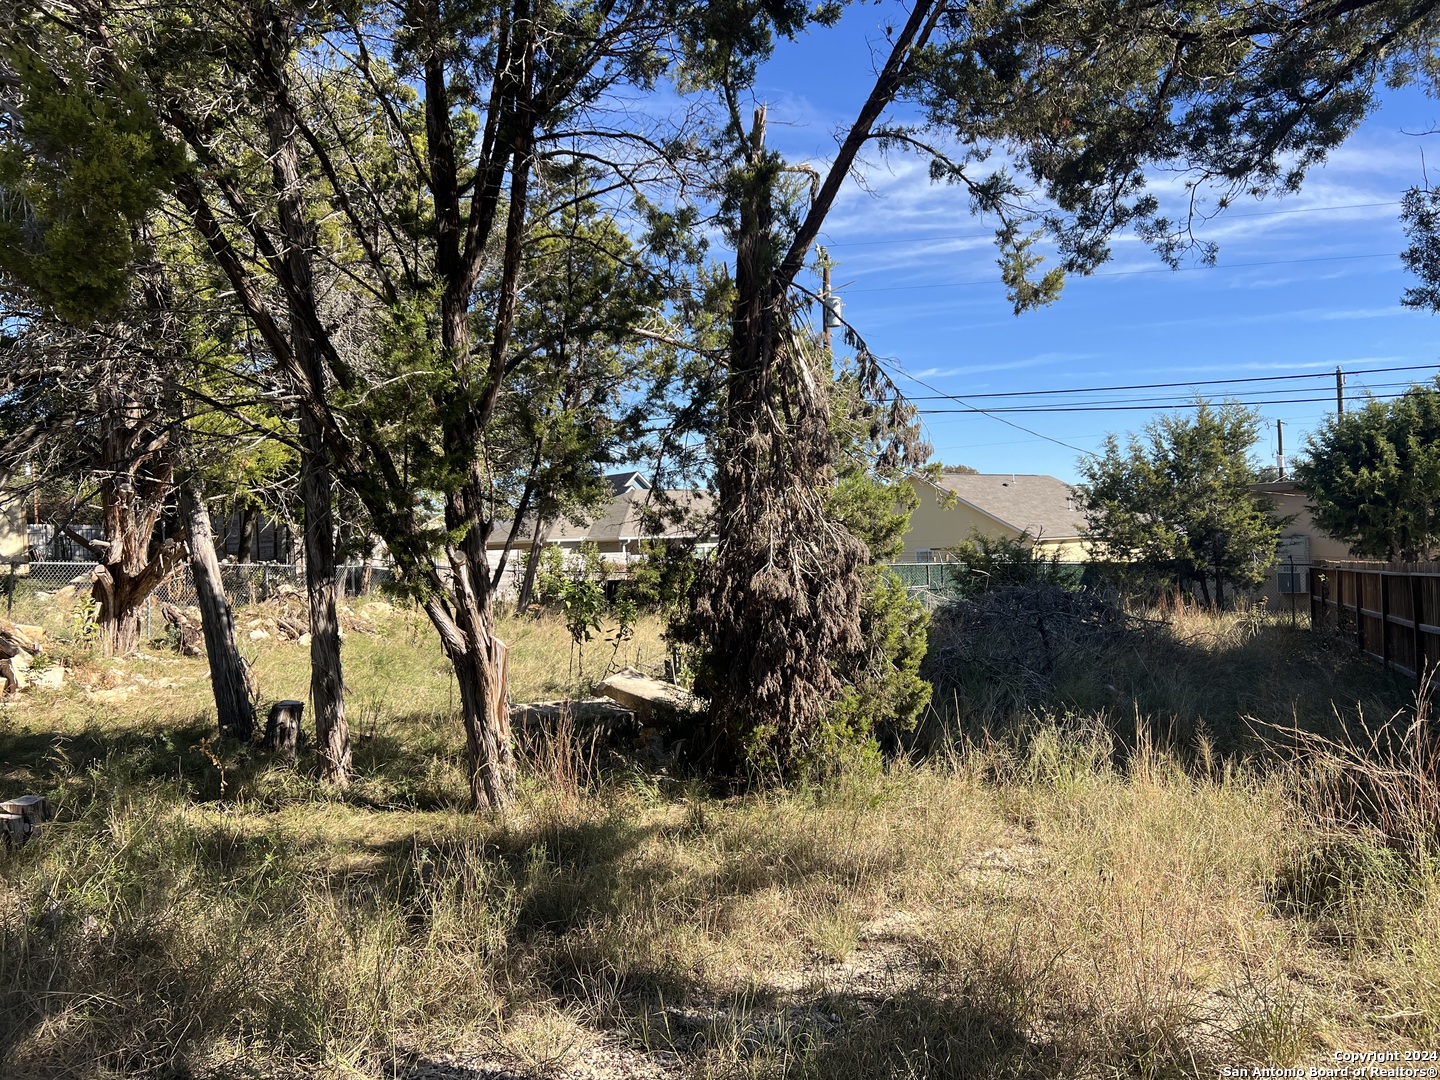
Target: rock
(118,693)
(20,664)
(303,639)
(653,702)
(587,712)
(43,596)
(52,678)
(259,635)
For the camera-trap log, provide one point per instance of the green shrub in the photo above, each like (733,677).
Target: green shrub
(982,563)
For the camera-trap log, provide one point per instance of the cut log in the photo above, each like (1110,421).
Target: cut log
(15,640)
(291,628)
(13,673)
(188,630)
(653,702)
(282,728)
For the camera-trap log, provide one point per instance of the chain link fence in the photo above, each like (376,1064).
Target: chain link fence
(245,583)
(936,582)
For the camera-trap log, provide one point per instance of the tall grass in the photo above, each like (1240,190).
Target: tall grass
(1085,893)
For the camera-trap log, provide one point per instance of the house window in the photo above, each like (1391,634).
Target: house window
(924,554)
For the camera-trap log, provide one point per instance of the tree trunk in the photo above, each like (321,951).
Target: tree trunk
(124,580)
(131,560)
(249,530)
(117,614)
(532,568)
(480,659)
(227,671)
(327,686)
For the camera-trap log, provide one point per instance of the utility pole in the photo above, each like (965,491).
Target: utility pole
(827,321)
(1339,392)
(1280,446)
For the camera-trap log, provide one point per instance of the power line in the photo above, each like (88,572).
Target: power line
(983,412)
(990,235)
(1167,401)
(1329,373)
(1257,397)
(1134,273)
(995,411)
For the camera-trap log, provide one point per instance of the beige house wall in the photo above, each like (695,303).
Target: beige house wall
(940,521)
(14,539)
(1285,500)
(1292,504)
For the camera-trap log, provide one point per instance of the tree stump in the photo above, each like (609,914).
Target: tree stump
(22,818)
(14,829)
(33,808)
(282,728)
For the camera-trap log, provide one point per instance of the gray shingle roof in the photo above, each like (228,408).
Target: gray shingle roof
(1040,505)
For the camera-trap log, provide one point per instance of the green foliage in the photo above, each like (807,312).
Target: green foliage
(85,165)
(576,587)
(882,690)
(550,576)
(985,562)
(886,694)
(1420,215)
(1373,475)
(663,578)
(1173,508)
(582,603)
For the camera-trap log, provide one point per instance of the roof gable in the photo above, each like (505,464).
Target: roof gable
(1042,506)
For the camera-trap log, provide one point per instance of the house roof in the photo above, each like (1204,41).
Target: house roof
(622,518)
(627,481)
(1043,506)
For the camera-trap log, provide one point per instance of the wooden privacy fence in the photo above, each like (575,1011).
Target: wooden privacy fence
(1390,610)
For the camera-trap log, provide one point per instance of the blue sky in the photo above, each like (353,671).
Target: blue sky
(1302,284)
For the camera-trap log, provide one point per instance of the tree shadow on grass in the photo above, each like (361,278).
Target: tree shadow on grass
(413,765)
(1235,691)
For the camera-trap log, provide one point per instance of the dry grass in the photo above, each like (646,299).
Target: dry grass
(1037,907)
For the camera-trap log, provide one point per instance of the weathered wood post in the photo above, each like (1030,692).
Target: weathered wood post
(282,728)
(1417,614)
(1385,619)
